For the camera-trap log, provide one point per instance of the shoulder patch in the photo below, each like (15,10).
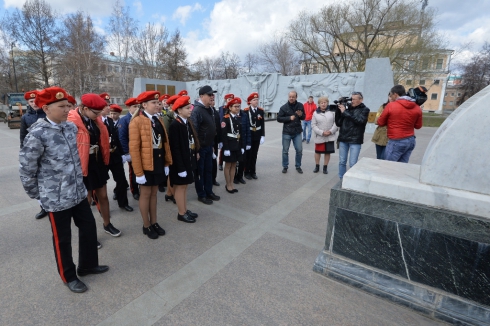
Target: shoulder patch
(223,124)
(247,109)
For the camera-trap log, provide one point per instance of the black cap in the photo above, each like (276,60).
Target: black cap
(206,90)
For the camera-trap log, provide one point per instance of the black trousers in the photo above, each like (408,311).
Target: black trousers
(87,239)
(215,161)
(240,167)
(133,185)
(118,174)
(251,160)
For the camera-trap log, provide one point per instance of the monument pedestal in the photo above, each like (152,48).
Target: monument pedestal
(417,253)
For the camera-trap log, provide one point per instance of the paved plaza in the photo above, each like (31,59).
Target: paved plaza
(246,261)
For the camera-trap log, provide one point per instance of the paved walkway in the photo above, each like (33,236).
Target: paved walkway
(247,261)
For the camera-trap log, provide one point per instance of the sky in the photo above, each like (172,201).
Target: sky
(239,26)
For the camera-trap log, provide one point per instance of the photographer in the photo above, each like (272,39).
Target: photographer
(352,120)
(401,116)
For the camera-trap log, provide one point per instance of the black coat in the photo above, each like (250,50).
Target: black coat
(27,120)
(231,143)
(257,120)
(291,127)
(183,158)
(204,121)
(115,143)
(352,124)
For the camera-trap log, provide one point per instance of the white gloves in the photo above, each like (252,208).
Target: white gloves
(141,180)
(220,145)
(166,170)
(126,158)
(39,201)
(214,156)
(243,151)
(182,174)
(262,140)
(227,153)
(248,147)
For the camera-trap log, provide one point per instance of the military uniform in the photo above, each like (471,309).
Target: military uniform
(257,130)
(231,137)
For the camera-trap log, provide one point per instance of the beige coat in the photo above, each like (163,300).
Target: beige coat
(323,121)
(380,136)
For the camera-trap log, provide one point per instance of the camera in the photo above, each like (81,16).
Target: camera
(418,94)
(332,107)
(343,101)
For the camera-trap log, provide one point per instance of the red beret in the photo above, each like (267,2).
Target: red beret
(252,96)
(183,93)
(235,100)
(227,96)
(105,96)
(164,97)
(131,101)
(50,95)
(171,99)
(115,108)
(30,95)
(93,101)
(71,99)
(181,102)
(148,96)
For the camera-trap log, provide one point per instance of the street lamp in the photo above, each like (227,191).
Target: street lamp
(13,64)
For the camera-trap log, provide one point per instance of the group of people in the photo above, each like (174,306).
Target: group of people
(67,151)
(346,123)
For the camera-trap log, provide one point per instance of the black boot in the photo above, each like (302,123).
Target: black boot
(325,169)
(317,168)
(41,214)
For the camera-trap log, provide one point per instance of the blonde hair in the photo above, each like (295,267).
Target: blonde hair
(323,99)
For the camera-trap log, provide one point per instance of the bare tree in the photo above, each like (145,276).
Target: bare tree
(279,56)
(80,49)
(35,28)
(207,68)
(173,58)
(123,29)
(341,36)
(229,65)
(476,74)
(251,62)
(146,47)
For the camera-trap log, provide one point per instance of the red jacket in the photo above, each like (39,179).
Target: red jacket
(309,110)
(401,117)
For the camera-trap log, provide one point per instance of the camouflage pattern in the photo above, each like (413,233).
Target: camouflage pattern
(50,168)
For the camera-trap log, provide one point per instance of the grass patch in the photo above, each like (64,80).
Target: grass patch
(432,120)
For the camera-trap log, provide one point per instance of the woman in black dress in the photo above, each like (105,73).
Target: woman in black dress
(184,147)
(232,142)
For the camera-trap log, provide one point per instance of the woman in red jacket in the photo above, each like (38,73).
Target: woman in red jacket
(93,149)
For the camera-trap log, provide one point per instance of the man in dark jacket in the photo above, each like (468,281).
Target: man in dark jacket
(203,119)
(33,114)
(291,114)
(352,122)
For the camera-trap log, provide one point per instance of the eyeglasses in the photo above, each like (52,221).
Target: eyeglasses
(211,95)
(95,112)
(357,93)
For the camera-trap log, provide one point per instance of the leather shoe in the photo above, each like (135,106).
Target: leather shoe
(254,176)
(230,191)
(204,200)
(161,188)
(235,181)
(242,181)
(136,196)
(114,197)
(128,208)
(186,218)
(94,270)
(248,177)
(220,167)
(213,197)
(41,214)
(216,183)
(284,170)
(76,286)
(192,214)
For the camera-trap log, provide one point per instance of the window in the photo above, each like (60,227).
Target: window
(422,82)
(436,81)
(135,71)
(445,94)
(452,94)
(459,94)
(444,103)
(409,82)
(451,103)
(425,64)
(411,64)
(109,68)
(433,96)
(439,63)
(128,70)
(116,68)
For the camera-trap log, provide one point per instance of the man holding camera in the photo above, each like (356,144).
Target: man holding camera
(352,120)
(291,114)
(401,116)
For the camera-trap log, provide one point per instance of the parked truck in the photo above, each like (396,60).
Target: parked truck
(11,112)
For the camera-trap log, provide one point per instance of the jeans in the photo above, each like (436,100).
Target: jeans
(344,149)
(306,125)
(204,181)
(400,150)
(298,146)
(380,152)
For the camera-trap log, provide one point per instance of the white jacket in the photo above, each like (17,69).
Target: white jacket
(323,121)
